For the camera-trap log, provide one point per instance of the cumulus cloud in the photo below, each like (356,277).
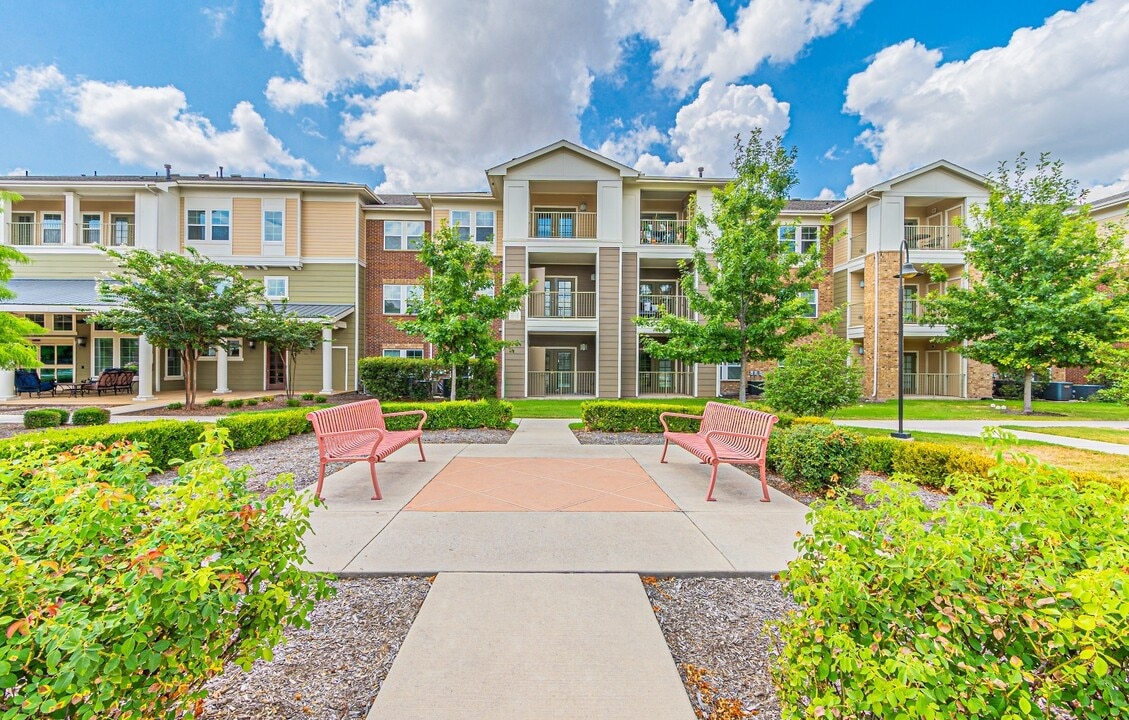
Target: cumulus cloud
(22,92)
(1062,87)
(152,125)
(218,17)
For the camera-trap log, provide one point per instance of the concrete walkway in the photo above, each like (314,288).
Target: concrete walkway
(975,427)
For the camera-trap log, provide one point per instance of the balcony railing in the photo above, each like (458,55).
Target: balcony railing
(672,382)
(858,245)
(33,233)
(548,224)
(562,382)
(934,384)
(932,237)
(663,232)
(116,234)
(856,314)
(558,304)
(654,305)
(50,234)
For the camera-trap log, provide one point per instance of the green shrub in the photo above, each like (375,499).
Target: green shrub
(214,402)
(166,440)
(252,402)
(122,598)
(320,398)
(774,452)
(816,377)
(456,414)
(968,610)
(307,396)
(878,453)
(91,416)
(251,429)
(933,463)
(41,418)
(618,416)
(816,458)
(234,404)
(174,406)
(411,378)
(293,403)
(810,420)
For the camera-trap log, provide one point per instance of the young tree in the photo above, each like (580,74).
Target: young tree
(287,333)
(460,301)
(754,301)
(1048,285)
(185,303)
(815,378)
(16,351)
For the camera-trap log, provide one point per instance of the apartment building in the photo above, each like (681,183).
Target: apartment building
(302,239)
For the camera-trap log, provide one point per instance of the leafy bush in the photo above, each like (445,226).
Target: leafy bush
(91,416)
(41,418)
(815,378)
(293,402)
(934,463)
(775,449)
(252,402)
(810,420)
(816,458)
(455,414)
(618,416)
(412,378)
(968,610)
(878,453)
(307,396)
(122,598)
(251,429)
(214,402)
(1115,395)
(174,406)
(320,398)
(166,440)
(234,404)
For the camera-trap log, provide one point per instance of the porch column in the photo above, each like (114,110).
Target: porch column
(327,360)
(8,384)
(221,371)
(71,219)
(144,369)
(5,218)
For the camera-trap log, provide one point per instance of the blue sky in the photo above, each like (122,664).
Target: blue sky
(418,96)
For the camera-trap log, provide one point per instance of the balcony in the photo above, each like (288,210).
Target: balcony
(116,234)
(554,383)
(858,245)
(50,234)
(932,237)
(668,382)
(934,384)
(562,304)
(564,225)
(856,314)
(663,232)
(655,305)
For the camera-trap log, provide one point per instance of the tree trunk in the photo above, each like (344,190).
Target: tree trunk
(189,379)
(289,365)
(1028,379)
(742,395)
(454,379)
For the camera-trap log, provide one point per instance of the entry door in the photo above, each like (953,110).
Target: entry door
(560,367)
(276,370)
(559,297)
(909,373)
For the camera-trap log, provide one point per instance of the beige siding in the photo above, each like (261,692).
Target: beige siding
(707,381)
(842,246)
(440,217)
(629,346)
(329,229)
(839,298)
(513,382)
(62,265)
(609,322)
(38,205)
(246,226)
(291,229)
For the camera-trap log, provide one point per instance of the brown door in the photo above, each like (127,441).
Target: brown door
(276,370)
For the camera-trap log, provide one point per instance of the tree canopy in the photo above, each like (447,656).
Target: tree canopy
(461,300)
(1048,285)
(755,291)
(16,351)
(287,333)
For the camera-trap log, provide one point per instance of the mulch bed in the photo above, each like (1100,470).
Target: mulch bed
(277,403)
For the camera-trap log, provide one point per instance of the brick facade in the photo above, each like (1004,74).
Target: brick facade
(393,267)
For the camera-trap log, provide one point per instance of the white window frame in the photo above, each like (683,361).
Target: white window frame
(209,207)
(43,215)
(797,243)
(285,287)
(404,293)
(404,237)
(110,230)
(473,228)
(402,352)
(813,303)
(274,207)
(723,371)
(234,351)
(84,228)
(169,352)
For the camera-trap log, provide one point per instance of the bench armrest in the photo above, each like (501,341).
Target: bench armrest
(422,420)
(726,433)
(665,415)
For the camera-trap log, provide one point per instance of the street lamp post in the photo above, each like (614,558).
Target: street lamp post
(907,271)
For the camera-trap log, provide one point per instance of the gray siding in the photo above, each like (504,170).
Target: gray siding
(609,322)
(513,380)
(629,347)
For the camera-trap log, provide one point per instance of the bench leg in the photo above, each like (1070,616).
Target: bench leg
(321,479)
(713,481)
(422,457)
(666,443)
(375,486)
(764,484)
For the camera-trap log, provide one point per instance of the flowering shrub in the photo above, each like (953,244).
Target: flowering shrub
(121,598)
(818,457)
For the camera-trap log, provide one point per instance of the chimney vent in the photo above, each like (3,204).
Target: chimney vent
(168,171)
(701,170)
(221,170)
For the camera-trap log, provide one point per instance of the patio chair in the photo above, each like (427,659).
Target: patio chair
(27,381)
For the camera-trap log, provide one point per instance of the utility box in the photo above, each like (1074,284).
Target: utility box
(1059,391)
(1081,392)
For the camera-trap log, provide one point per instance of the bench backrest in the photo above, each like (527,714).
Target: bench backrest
(363,415)
(733,418)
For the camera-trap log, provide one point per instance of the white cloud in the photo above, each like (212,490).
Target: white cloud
(218,17)
(1062,87)
(152,125)
(827,194)
(309,127)
(22,92)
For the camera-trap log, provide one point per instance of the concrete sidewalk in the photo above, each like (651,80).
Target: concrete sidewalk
(975,427)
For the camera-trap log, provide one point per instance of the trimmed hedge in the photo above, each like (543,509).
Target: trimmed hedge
(819,456)
(44,418)
(456,414)
(251,429)
(91,416)
(618,416)
(878,453)
(411,378)
(166,440)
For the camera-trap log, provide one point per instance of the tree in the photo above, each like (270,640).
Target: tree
(1048,285)
(287,333)
(815,378)
(754,301)
(16,350)
(184,303)
(460,301)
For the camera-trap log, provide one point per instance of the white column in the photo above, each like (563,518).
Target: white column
(221,371)
(144,369)
(71,219)
(326,360)
(8,384)
(5,218)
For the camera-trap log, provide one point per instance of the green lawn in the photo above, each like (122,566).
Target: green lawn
(1109,435)
(982,410)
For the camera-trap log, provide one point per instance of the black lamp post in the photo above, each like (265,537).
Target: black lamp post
(908,271)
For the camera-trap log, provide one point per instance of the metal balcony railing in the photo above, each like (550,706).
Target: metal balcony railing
(932,237)
(551,224)
(858,245)
(856,314)
(654,305)
(115,234)
(671,382)
(33,233)
(562,382)
(934,384)
(663,232)
(558,304)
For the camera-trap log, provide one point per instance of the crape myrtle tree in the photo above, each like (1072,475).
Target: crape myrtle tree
(1049,286)
(460,301)
(16,351)
(184,303)
(287,333)
(754,293)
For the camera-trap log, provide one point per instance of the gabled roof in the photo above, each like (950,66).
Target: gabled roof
(31,292)
(316,311)
(623,170)
(1110,200)
(819,206)
(888,184)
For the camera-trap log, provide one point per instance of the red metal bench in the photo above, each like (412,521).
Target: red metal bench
(356,433)
(728,434)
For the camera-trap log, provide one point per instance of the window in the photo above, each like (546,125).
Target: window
(397,298)
(128,352)
(197,224)
(58,362)
(52,228)
(808,237)
(173,368)
(38,318)
(812,298)
(92,228)
(482,228)
(121,230)
(221,225)
(208,224)
(730,371)
(272,226)
(276,288)
(234,350)
(402,352)
(62,323)
(403,234)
